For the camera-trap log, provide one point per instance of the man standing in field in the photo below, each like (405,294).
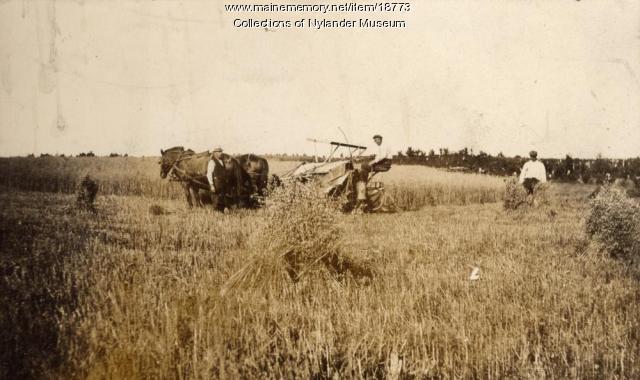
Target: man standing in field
(215,161)
(533,172)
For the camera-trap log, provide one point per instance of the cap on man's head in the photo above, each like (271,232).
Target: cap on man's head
(377,137)
(217,149)
(533,154)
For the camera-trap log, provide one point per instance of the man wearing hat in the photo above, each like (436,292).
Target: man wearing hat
(215,161)
(382,151)
(533,172)
(382,159)
(381,163)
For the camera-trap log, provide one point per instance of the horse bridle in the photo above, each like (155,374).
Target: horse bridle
(170,174)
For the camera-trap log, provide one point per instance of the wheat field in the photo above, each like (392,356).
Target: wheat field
(140,176)
(123,292)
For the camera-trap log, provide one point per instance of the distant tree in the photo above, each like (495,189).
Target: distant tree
(410,152)
(600,167)
(584,171)
(632,167)
(568,169)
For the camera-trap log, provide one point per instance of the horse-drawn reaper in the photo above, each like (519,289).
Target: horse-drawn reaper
(349,179)
(237,181)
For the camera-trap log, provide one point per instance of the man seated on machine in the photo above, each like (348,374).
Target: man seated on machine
(381,161)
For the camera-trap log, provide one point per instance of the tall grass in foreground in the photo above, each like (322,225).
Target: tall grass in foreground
(302,237)
(125,293)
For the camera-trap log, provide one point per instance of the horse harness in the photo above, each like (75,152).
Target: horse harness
(173,177)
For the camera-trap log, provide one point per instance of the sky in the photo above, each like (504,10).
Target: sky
(560,77)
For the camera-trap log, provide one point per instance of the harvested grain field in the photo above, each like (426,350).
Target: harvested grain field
(143,286)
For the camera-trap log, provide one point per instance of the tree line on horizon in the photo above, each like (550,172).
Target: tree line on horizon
(596,170)
(569,169)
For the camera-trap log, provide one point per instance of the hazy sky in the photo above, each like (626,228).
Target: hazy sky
(136,76)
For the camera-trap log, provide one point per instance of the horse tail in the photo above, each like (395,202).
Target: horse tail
(264,175)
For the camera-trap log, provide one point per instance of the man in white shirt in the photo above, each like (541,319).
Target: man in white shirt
(215,161)
(533,172)
(381,161)
(381,150)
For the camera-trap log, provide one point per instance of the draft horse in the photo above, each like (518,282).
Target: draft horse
(258,170)
(231,182)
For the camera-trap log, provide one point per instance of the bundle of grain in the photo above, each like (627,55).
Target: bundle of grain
(613,221)
(301,235)
(514,194)
(87,192)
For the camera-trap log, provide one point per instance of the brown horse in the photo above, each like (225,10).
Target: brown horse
(258,170)
(190,170)
(231,182)
(237,185)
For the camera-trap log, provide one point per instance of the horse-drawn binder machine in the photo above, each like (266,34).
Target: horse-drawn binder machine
(346,178)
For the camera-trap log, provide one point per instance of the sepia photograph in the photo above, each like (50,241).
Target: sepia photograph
(297,189)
